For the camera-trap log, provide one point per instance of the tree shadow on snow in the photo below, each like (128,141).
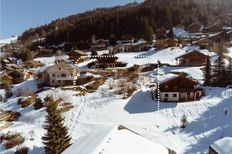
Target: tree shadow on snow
(141,102)
(146,54)
(36,150)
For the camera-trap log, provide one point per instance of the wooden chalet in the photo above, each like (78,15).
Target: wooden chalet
(194,28)
(76,54)
(106,61)
(33,64)
(178,88)
(192,58)
(99,44)
(165,43)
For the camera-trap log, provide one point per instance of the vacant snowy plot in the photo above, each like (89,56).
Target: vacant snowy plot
(166,56)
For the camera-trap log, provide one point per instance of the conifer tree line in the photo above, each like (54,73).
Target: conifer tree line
(56,139)
(137,20)
(220,73)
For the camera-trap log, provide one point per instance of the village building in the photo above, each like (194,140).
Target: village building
(33,64)
(116,140)
(192,58)
(165,43)
(59,74)
(221,146)
(98,44)
(106,61)
(194,28)
(206,43)
(75,55)
(126,39)
(177,88)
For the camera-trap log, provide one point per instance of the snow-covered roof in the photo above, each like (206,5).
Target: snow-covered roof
(116,140)
(204,52)
(180,32)
(162,78)
(223,146)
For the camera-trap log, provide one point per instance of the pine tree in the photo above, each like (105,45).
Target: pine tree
(38,104)
(8,91)
(170,33)
(218,72)
(56,140)
(26,55)
(148,36)
(219,68)
(207,72)
(183,121)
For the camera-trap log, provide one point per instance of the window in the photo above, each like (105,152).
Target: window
(63,75)
(53,81)
(165,95)
(53,75)
(166,86)
(174,95)
(59,68)
(58,81)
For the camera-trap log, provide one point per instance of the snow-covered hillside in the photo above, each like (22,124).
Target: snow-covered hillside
(159,122)
(8,40)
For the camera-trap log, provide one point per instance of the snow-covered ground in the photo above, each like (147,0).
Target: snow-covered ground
(180,32)
(166,56)
(8,40)
(207,121)
(158,122)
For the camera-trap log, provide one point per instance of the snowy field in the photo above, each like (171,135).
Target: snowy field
(157,121)
(207,121)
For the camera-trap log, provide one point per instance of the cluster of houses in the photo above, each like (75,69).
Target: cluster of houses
(179,86)
(196,34)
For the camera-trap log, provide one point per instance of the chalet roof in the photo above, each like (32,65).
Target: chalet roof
(223,146)
(77,51)
(166,77)
(115,140)
(161,79)
(202,52)
(80,51)
(62,65)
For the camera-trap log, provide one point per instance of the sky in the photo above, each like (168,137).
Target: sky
(16,16)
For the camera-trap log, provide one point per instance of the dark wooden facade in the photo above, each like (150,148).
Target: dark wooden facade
(180,89)
(193,58)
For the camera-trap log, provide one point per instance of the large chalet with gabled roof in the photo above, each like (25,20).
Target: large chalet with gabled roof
(177,88)
(192,58)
